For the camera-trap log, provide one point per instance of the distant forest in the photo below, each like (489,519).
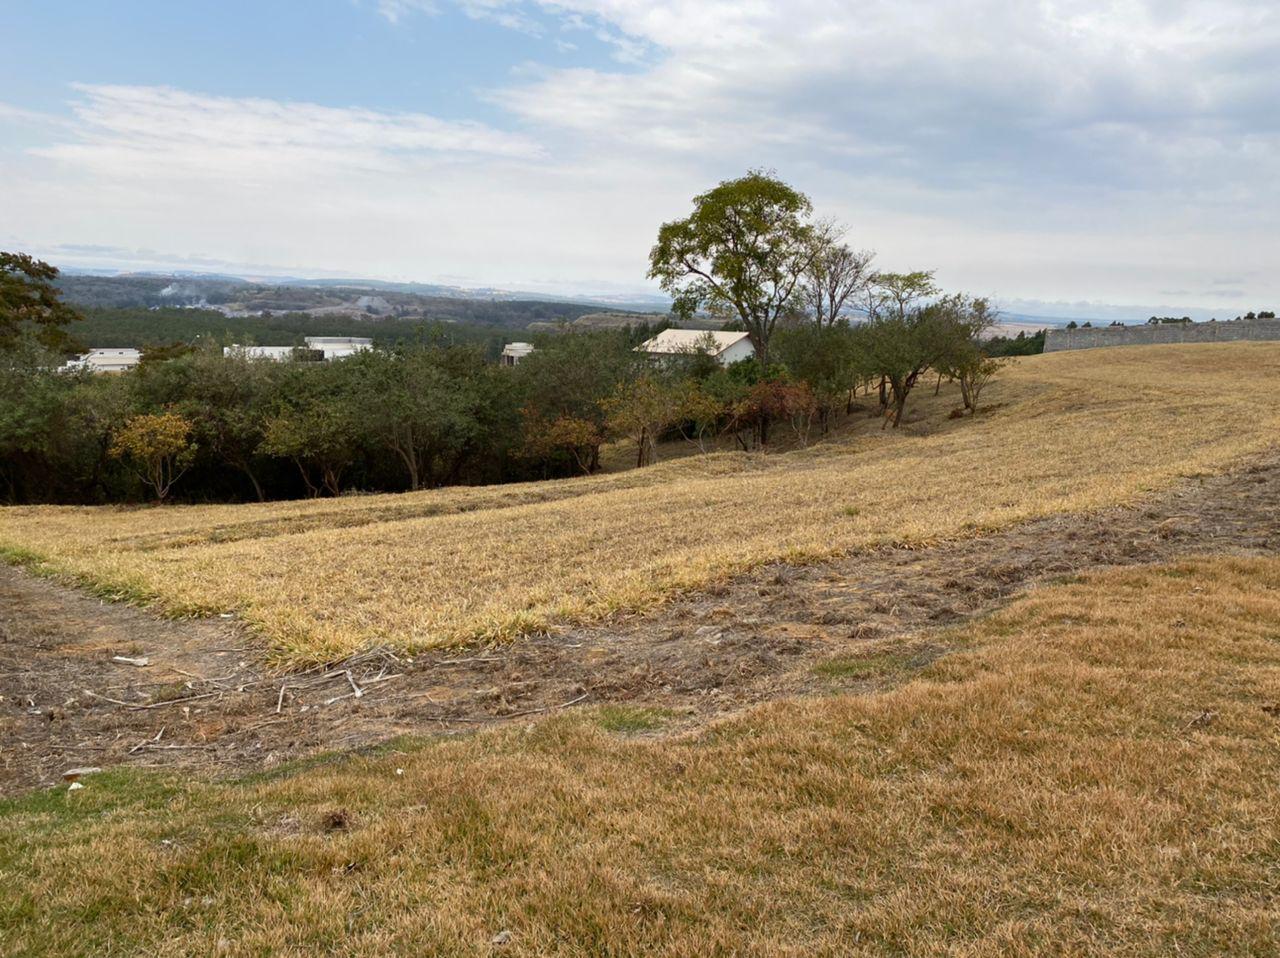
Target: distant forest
(147,310)
(140,328)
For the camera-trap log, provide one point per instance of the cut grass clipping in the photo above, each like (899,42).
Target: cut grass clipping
(1074,431)
(1094,774)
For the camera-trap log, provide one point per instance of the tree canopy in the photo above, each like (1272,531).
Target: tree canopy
(30,303)
(741,254)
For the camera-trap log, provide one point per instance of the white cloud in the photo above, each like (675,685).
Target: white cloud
(135,131)
(395,10)
(1058,149)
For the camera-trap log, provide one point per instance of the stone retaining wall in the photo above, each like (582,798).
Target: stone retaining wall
(1231,331)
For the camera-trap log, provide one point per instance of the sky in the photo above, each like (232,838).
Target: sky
(1064,156)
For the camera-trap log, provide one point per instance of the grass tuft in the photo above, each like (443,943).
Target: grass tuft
(862,667)
(632,719)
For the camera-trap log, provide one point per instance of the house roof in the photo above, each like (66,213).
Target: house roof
(674,341)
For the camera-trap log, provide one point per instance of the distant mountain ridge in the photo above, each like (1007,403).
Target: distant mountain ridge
(138,288)
(355,301)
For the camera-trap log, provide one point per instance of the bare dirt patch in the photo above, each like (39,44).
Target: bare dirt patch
(205,700)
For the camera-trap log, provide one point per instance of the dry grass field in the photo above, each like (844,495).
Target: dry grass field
(1095,773)
(1071,431)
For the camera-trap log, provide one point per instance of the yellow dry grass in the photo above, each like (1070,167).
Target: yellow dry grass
(1095,774)
(1073,431)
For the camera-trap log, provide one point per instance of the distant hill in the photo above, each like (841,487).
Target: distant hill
(147,309)
(354,299)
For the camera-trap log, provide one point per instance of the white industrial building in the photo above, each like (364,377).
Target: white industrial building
(106,360)
(326,348)
(727,348)
(512,353)
(338,347)
(277,353)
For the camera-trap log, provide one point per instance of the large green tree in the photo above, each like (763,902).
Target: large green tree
(426,405)
(230,399)
(30,303)
(741,254)
(316,425)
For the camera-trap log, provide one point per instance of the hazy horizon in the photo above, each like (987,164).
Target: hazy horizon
(1064,155)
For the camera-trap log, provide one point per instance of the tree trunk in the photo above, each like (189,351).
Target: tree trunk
(313,491)
(333,480)
(257,486)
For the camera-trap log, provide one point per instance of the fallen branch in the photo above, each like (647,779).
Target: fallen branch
(189,698)
(170,748)
(548,708)
(106,698)
(355,689)
(502,718)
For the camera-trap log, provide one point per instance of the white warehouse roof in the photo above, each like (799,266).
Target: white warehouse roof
(677,341)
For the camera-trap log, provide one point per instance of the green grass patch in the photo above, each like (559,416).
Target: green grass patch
(631,719)
(863,666)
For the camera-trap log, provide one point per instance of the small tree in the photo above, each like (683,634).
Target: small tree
(963,322)
(421,403)
(975,373)
(837,274)
(579,439)
(896,294)
(570,376)
(899,349)
(742,253)
(792,403)
(826,359)
(158,448)
(320,439)
(641,411)
(699,412)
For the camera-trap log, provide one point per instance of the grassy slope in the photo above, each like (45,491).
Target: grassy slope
(1075,431)
(1047,791)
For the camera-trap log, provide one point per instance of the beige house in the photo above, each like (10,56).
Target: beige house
(726,348)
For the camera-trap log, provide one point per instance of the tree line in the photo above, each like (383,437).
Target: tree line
(200,425)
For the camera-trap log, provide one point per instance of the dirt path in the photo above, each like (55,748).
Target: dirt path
(204,701)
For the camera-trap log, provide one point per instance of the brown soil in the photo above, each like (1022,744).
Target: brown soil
(207,703)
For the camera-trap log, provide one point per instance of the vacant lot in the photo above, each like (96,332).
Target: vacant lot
(1096,774)
(1072,432)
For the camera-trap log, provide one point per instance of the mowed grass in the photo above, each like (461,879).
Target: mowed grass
(1072,431)
(1095,773)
